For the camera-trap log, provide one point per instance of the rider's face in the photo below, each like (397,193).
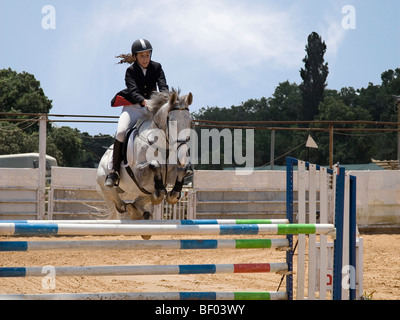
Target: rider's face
(143,58)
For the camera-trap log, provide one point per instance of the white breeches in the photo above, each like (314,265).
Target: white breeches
(128,118)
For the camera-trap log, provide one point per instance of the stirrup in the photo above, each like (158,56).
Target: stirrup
(112,179)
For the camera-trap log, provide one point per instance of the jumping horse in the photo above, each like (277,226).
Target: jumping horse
(156,155)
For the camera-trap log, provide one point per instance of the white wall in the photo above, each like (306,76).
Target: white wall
(229,180)
(378,192)
(378,196)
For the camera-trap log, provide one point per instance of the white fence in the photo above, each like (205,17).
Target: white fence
(184,209)
(73,195)
(19,194)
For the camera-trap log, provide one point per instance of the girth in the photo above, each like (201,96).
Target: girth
(128,169)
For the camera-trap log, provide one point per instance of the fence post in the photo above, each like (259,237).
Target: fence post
(272,155)
(42,167)
(290,162)
(338,243)
(331,146)
(353,233)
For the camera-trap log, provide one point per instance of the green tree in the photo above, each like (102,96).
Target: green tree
(379,101)
(94,148)
(282,106)
(391,81)
(22,93)
(314,77)
(285,102)
(13,139)
(374,100)
(69,143)
(349,147)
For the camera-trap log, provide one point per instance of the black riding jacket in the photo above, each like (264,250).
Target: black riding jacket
(139,86)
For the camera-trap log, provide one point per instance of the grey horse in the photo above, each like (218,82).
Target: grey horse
(156,156)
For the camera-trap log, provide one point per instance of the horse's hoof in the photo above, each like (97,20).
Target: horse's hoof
(146,237)
(146,215)
(156,201)
(158,196)
(121,210)
(173,199)
(133,212)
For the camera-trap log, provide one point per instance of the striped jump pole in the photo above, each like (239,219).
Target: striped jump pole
(18,272)
(152,296)
(24,246)
(177,222)
(52,229)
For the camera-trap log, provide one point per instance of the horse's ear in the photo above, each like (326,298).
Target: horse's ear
(189,99)
(173,98)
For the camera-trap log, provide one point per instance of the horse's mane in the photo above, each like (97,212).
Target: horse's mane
(158,99)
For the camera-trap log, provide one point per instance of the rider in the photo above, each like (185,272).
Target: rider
(142,79)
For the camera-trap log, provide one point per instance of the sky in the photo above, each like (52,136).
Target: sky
(223,51)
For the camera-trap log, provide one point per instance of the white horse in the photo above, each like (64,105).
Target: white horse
(156,155)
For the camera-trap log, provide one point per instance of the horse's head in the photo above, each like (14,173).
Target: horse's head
(174,119)
(179,123)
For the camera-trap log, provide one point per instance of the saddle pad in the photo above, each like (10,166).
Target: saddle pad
(120,102)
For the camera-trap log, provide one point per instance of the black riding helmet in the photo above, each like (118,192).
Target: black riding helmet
(141,45)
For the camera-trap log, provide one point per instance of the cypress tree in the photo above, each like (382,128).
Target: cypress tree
(314,77)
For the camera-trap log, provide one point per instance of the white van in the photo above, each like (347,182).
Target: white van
(26,160)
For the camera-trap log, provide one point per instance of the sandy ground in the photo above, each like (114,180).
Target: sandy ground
(381,269)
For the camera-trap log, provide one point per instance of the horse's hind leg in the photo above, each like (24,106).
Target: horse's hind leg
(112,195)
(136,208)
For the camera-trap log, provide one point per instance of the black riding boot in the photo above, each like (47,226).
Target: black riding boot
(113,177)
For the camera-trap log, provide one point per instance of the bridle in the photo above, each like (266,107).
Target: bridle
(167,135)
(179,142)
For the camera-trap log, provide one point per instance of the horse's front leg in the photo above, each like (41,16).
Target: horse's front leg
(160,192)
(175,194)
